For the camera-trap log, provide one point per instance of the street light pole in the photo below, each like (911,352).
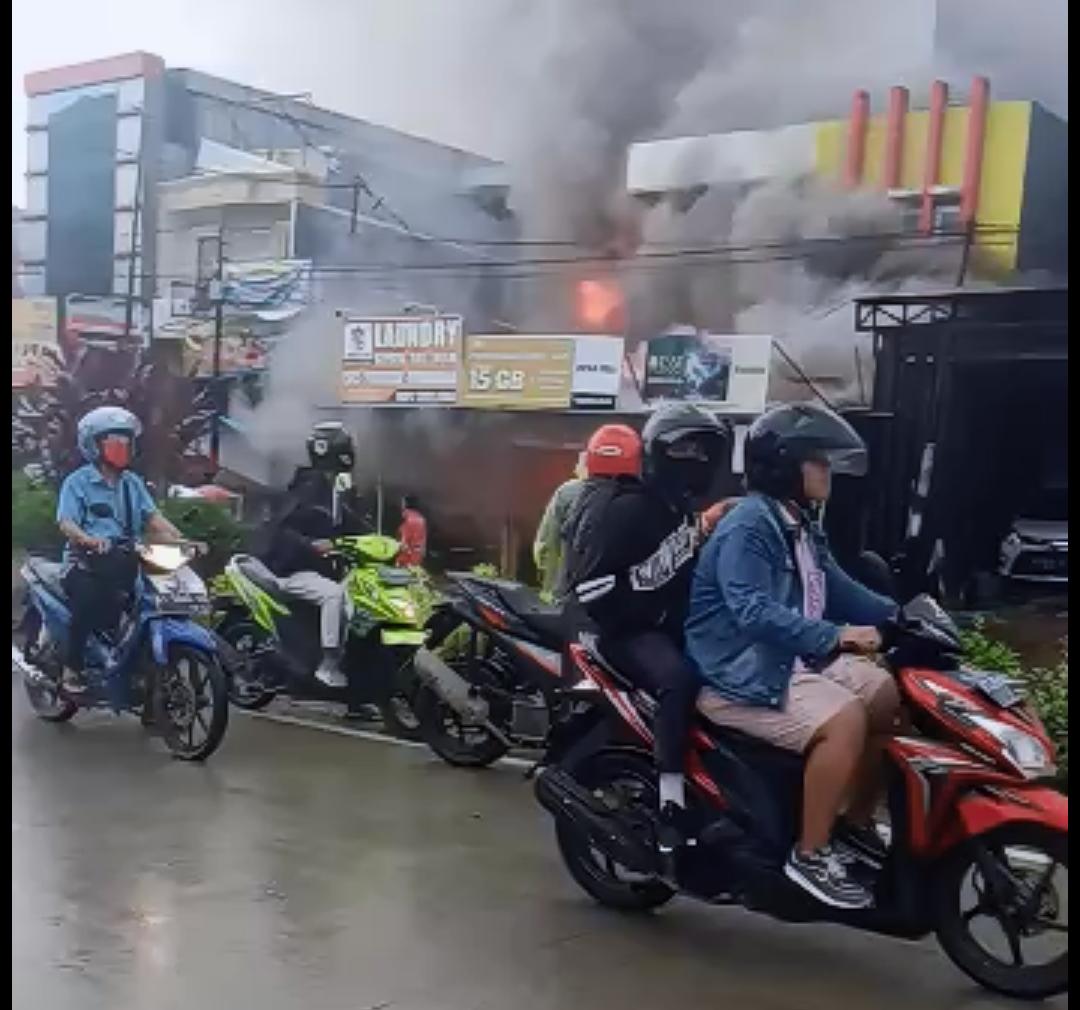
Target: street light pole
(219,324)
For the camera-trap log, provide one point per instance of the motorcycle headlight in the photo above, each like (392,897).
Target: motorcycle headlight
(406,608)
(1027,752)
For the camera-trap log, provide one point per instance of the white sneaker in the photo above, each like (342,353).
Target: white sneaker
(330,674)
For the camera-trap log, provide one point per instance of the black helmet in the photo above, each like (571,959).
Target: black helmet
(784,438)
(330,448)
(683,446)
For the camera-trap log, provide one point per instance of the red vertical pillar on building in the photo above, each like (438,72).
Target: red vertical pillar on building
(973,156)
(894,137)
(939,99)
(856,145)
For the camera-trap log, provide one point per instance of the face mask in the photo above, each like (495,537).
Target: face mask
(116,451)
(684,478)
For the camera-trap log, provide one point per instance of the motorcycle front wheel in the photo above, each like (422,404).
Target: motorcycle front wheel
(192,703)
(1013,939)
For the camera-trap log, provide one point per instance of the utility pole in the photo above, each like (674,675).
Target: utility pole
(129,308)
(355,205)
(219,325)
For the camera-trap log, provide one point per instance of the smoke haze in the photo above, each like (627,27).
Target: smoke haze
(563,87)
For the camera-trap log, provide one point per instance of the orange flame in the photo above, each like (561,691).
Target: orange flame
(600,305)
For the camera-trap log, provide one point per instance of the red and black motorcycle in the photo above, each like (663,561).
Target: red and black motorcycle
(978,848)
(491,674)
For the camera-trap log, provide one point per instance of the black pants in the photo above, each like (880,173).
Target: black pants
(96,601)
(654,662)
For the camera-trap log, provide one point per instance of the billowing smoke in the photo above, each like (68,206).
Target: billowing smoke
(592,78)
(563,87)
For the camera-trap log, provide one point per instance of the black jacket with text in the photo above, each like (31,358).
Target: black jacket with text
(629,557)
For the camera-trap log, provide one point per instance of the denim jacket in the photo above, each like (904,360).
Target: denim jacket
(746,627)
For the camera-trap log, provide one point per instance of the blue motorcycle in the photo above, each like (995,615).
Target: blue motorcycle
(159,662)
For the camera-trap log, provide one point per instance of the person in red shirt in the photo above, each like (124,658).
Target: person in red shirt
(412,533)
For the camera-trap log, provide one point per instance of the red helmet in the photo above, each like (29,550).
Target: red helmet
(613,450)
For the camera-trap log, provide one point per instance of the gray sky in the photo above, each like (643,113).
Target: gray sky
(451,69)
(386,60)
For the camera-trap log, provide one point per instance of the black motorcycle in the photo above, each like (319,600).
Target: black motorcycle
(491,677)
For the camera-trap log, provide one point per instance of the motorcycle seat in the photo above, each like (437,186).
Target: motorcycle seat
(546,620)
(49,573)
(752,747)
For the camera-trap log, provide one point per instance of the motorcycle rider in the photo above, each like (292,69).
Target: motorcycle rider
(631,542)
(101,503)
(782,636)
(320,505)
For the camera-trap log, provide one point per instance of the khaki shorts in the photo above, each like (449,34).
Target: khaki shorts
(812,700)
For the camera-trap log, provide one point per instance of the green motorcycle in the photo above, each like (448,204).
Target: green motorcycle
(270,643)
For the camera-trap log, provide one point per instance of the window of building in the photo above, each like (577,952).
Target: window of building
(206,258)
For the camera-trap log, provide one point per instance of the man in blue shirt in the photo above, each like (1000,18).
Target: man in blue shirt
(782,637)
(101,503)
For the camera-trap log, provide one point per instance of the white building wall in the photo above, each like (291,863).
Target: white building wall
(743,156)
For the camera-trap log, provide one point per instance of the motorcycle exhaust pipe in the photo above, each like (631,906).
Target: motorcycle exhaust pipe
(575,806)
(27,669)
(455,691)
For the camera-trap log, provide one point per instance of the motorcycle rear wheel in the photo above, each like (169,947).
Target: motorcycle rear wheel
(595,873)
(48,703)
(443,731)
(246,692)
(1019,979)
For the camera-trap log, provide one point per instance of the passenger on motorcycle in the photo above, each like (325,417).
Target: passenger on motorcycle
(320,504)
(631,541)
(783,637)
(549,553)
(100,504)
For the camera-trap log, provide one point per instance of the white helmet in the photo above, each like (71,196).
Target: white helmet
(103,421)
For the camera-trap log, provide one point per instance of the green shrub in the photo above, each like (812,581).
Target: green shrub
(33,516)
(1047,688)
(209,522)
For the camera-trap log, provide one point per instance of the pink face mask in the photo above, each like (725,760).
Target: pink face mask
(116,451)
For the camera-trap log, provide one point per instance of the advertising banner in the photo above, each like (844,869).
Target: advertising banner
(100,319)
(517,373)
(597,370)
(402,360)
(272,290)
(726,373)
(241,352)
(35,349)
(540,372)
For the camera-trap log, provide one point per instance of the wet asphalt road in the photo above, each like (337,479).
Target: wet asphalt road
(302,869)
